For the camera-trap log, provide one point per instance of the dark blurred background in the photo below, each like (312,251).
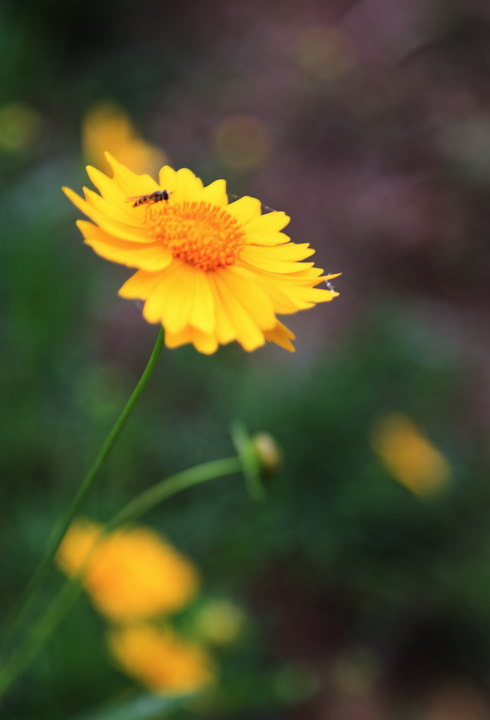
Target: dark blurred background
(367,590)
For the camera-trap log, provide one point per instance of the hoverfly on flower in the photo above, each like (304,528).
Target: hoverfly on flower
(149,199)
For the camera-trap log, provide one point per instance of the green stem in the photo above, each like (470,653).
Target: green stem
(83,491)
(66,597)
(148,499)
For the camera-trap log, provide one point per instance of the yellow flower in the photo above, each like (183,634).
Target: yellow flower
(209,271)
(409,456)
(108,127)
(160,660)
(130,575)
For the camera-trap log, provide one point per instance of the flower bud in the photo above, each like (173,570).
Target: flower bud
(268,452)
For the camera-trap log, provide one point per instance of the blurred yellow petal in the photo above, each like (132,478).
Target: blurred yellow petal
(160,660)
(107,128)
(409,456)
(131,574)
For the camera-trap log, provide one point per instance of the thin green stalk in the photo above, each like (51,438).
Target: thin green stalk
(69,592)
(83,491)
(148,499)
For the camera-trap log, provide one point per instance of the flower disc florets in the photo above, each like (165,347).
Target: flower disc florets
(208,270)
(198,233)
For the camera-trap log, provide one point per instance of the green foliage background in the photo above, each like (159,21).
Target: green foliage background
(340,567)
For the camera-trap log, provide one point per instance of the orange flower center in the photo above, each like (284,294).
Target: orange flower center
(198,233)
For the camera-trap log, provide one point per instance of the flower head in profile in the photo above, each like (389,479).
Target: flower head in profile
(208,270)
(131,574)
(160,660)
(410,457)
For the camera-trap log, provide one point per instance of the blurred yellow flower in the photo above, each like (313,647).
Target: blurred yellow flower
(409,456)
(209,271)
(161,660)
(130,575)
(107,127)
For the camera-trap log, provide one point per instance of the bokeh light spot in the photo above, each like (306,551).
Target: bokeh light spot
(242,142)
(19,127)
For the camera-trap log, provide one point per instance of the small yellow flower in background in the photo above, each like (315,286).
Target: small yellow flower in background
(106,127)
(160,660)
(220,622)
(130,575)
(209,271)
(409,456)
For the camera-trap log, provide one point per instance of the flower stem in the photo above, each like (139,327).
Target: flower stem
(83,491)
(69,592)
(148,499)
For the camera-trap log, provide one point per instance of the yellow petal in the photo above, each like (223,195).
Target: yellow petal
(174,340)
(105,185)
(269,239)
(290,252)
(168,178)
(188,185)
(113,227)
(202,309)
(280,296)
(119,205)
(247,332)
(147,257)
(245,209)
(129,182)
(241,284)
(224,329)
(204,342)
(269,223)
(176,298)
(117,212)
(139,285)
(255,257)
(281,335)
(165,295)
(172,299)
(215,193)
(313,295)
